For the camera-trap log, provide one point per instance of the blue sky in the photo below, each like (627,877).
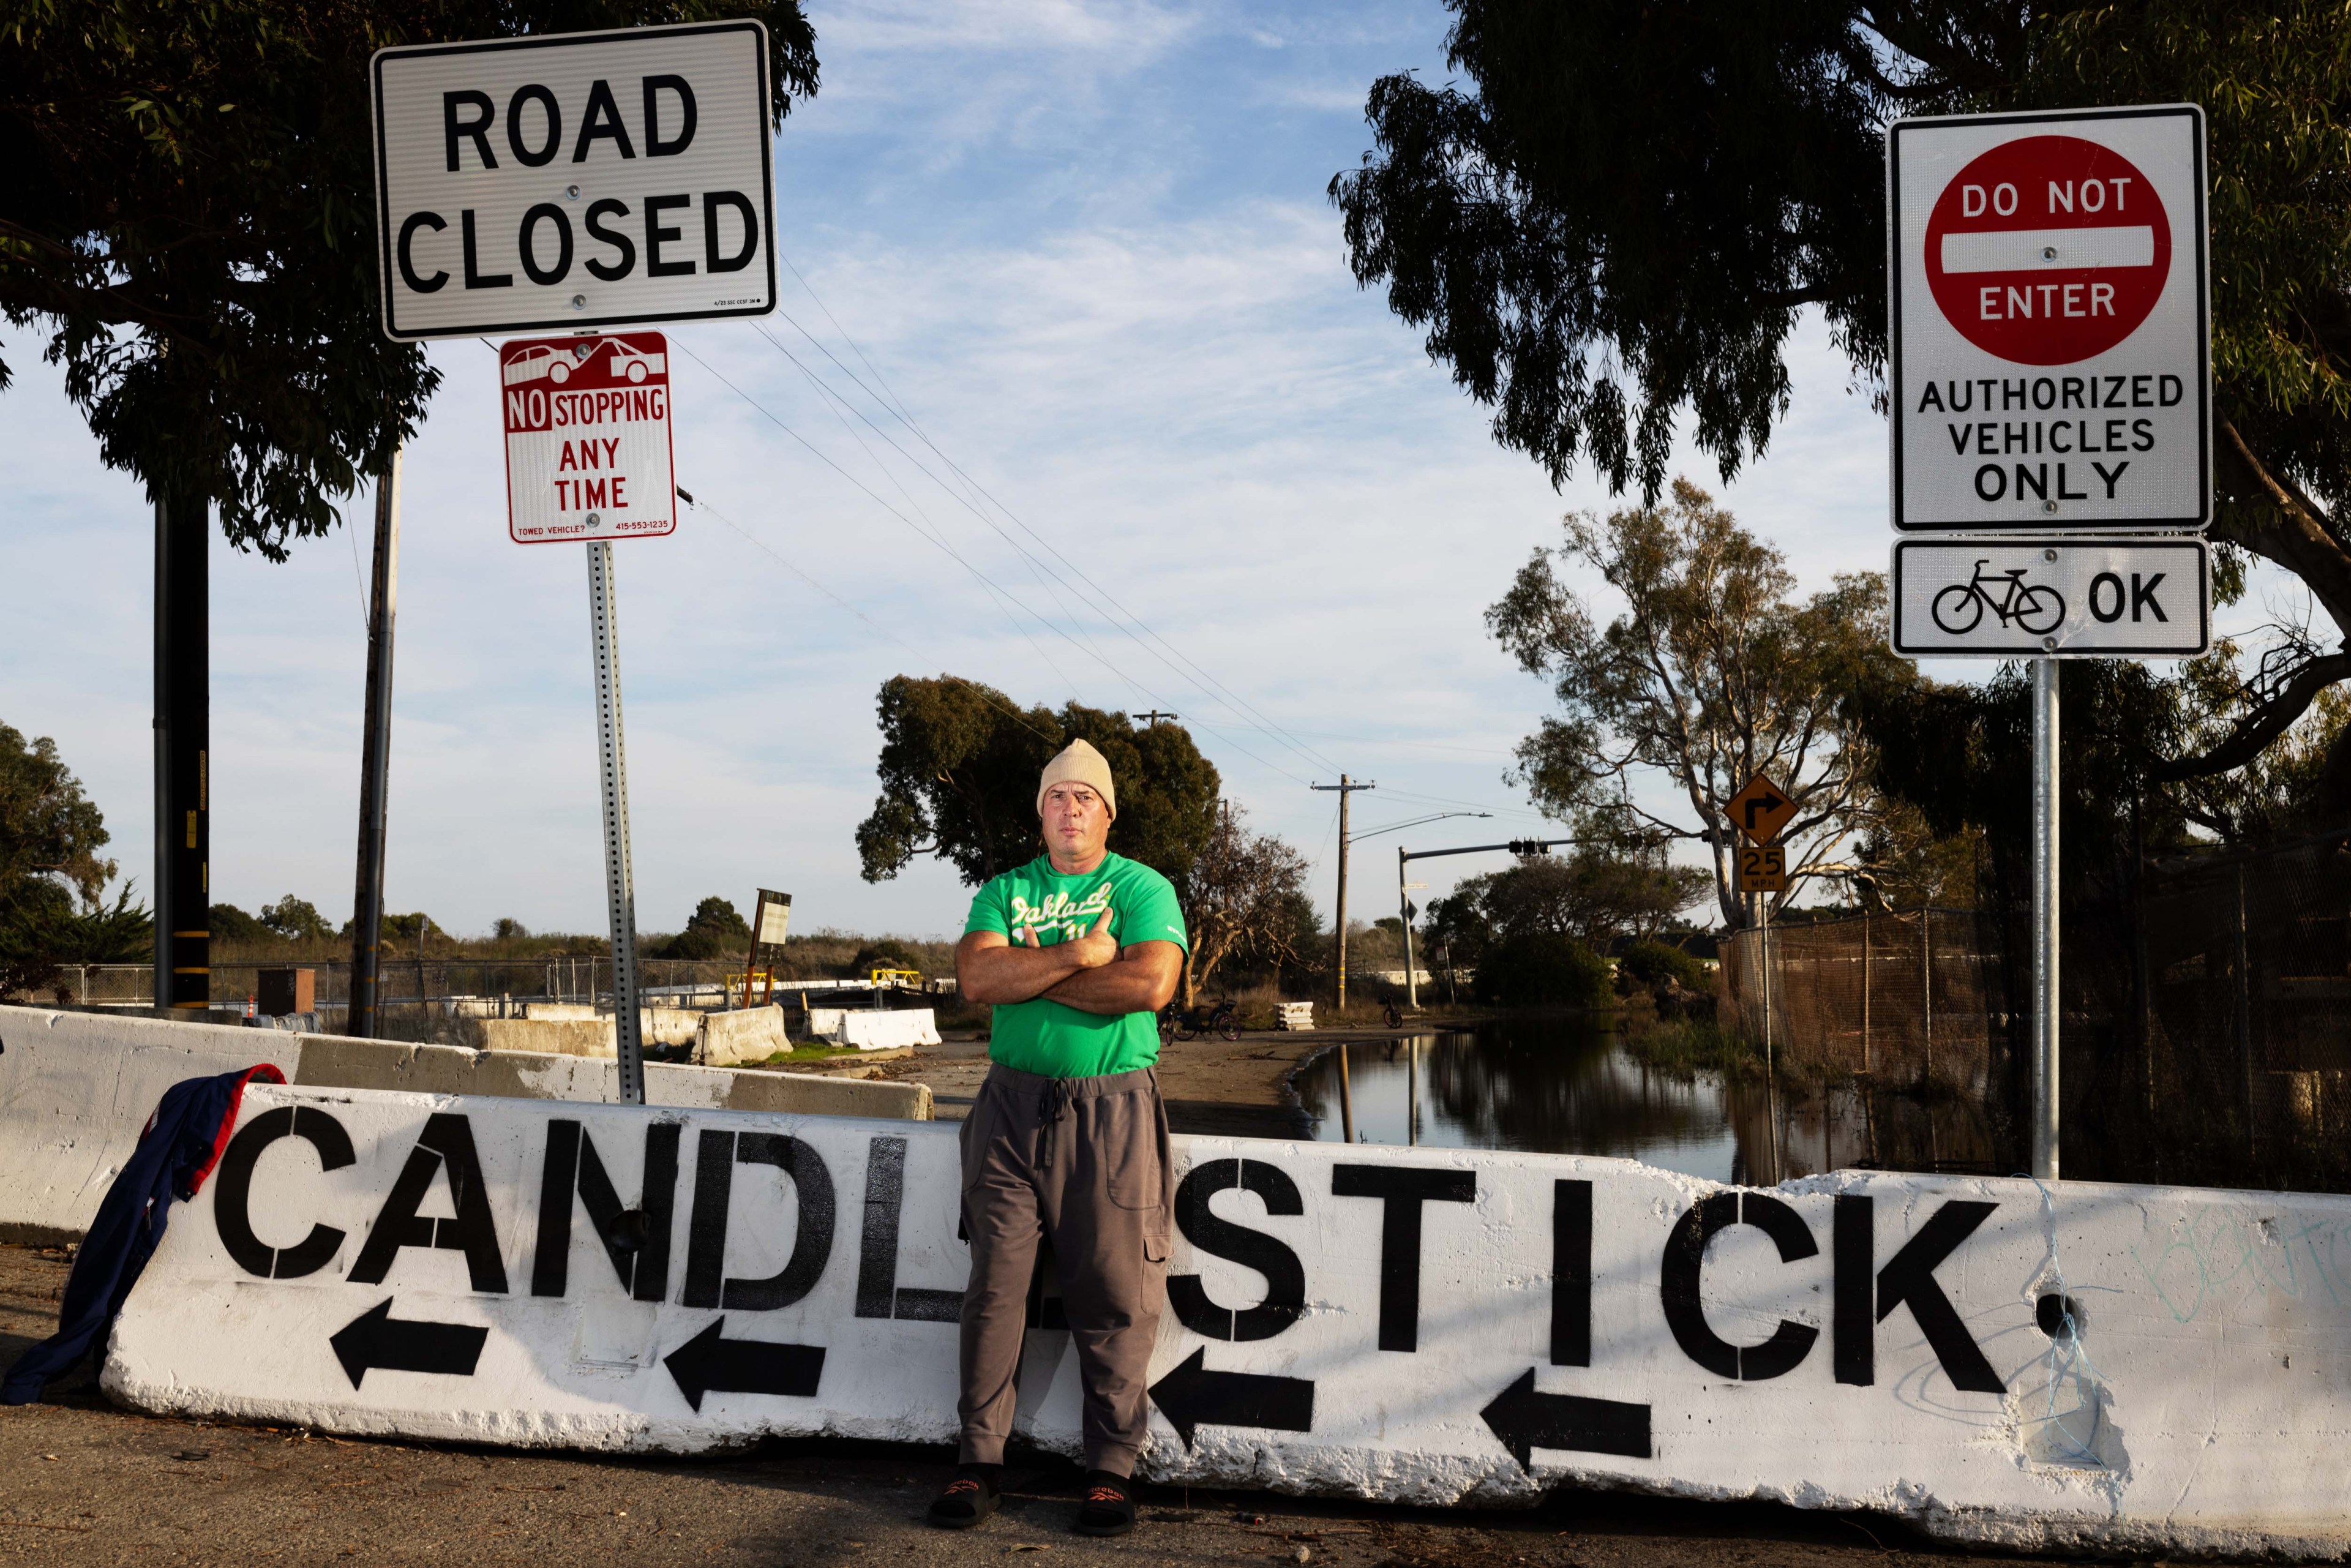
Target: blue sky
(1086,246)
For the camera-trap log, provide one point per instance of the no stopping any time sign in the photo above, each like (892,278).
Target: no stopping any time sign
(2050,324)
(588,438)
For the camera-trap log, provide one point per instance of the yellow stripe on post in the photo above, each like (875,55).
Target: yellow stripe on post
(204,936)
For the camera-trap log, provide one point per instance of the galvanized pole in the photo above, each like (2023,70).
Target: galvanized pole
(628,1024)
(2044,919)
(375,763)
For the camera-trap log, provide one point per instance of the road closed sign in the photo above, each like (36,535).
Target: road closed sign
(2050,321)
(574,180)
(588,438)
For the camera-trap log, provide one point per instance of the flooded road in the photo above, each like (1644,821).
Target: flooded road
(1567,1086)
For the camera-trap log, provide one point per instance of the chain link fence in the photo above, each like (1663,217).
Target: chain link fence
(2206,1033)
(479,983)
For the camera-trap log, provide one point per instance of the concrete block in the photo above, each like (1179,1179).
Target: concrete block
(869,1029)
(748,1034)
(890,1029)
(553,1037)
(1421,1326)
(75,1088)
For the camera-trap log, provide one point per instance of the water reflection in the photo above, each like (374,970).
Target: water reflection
(1567,1086)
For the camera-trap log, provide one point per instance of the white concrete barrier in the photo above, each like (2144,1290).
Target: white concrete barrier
(869,1029)
(1420,1325)
(747,1034)
(75,1088)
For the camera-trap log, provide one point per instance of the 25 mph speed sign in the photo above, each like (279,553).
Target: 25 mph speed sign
(2050,321)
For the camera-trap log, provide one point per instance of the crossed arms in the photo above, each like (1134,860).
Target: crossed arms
(1090,973)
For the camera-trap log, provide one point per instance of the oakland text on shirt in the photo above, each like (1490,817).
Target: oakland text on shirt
(1076,918)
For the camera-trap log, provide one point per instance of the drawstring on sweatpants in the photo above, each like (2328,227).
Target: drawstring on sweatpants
(1052,1105)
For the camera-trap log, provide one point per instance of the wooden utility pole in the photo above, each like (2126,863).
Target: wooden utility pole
(1155,715)
(1346,787)
(183,754)
(375,763)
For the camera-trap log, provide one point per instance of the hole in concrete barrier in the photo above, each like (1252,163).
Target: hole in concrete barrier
(2050,1312)
(627,1232)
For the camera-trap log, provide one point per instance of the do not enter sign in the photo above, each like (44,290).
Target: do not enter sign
(2048,250)
(2049,318)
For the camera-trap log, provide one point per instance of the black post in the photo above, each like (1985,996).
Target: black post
(183,756)
(375,758)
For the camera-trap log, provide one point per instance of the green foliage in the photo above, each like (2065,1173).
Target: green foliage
(1621,217)
(1240,898)
(229,924)
(41,929)
(959,766)
(412,928)
(298,920)
(191,207)
(52,878)
(1593,897)
(717,929)
(49,828)
(1614,221)
(1712,671)
(1543,969)
(1689,1046)
(508,929)
(888,952)
(1655,963)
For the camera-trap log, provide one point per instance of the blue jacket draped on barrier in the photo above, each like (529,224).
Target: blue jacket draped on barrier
(177,1150)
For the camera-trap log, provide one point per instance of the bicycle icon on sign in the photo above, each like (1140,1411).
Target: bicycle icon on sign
(2037,607)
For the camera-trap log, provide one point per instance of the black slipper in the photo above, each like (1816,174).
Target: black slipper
(1109,1506)
(968,1499)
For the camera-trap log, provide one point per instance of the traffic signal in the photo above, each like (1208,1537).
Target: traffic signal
(1523,847)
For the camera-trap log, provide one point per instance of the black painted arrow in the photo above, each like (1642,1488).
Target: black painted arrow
(710,1363)
(375,1340)
(1767,801)
(1191,1396)
(1526,1421)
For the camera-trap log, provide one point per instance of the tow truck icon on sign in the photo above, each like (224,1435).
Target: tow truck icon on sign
(551,363)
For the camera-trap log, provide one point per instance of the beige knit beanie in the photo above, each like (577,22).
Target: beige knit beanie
(1080,763)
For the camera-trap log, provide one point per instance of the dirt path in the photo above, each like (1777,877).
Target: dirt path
(84,1484)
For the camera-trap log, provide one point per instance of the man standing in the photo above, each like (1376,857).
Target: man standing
(1067,1141)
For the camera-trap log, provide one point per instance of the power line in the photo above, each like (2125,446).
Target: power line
(895,406)
(1003,595)
(787,563)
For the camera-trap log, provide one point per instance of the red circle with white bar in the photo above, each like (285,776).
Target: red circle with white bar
(2048,250)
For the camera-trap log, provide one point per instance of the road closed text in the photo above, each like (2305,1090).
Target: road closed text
(574,179)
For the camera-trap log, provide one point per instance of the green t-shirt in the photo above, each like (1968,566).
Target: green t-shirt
(1042,1036)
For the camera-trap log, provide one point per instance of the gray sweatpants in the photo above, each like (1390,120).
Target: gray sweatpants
(1080,1165)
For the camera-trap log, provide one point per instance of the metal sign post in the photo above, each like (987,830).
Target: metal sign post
(619,887)
(2045,1001)
(2050,325)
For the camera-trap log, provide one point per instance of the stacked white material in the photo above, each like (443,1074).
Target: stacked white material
(1294,1015)
(869,1029)
(1418,1325)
